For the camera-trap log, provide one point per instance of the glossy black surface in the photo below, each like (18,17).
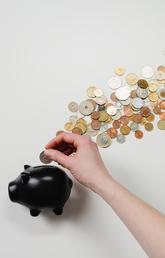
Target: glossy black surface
(41,187)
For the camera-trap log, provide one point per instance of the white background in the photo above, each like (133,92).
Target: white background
(50,51)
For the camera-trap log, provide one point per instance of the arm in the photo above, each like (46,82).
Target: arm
(144,222)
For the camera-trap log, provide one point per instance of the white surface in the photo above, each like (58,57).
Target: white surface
(50,51)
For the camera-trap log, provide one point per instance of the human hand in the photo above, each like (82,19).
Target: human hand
(81,156)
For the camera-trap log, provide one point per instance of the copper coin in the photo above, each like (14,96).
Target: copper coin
(151,117)
(125,129)
(149,126)
(162,104)
(77,130)
(157,109)
(113,97)
(142,84)
(145,111)
(162,116)
(137,118)
(95,115)
(133,94)
(124,120)
(116,124)
(95,124)
(138,134)
(112,132)
(128,111)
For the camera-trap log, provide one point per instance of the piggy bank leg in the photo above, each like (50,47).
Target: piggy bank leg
(34,212)
(58,211)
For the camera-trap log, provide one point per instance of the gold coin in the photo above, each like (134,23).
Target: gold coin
(150,118)
(58,132)
(91,91)
(82,126)
(81,120)
(120,71)
(103,140)
(153,96)
(68,126)
(131,78)
(125,129)
(161,124)
(149,126)
(109,120)
(77,130)
(144,120)
(103,116)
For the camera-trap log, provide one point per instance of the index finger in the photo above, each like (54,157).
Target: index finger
(70,138)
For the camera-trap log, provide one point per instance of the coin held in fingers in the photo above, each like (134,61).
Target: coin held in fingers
(44,158)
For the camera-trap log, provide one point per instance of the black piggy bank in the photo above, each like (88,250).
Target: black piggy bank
(41,187)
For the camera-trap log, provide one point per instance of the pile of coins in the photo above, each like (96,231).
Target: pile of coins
(131,105)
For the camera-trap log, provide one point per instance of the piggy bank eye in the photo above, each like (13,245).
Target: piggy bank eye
(25,177)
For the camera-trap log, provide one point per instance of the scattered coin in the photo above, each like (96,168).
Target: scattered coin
(147,72)
(138,134)
(132,79)
(149,126)
(95,124)
(114,83)
(77,130)
(68,126)
(73,106)
(95,115)
(44,158)
(103,140)
(112,132)
(86,108)
(112,110)
(161,93)
(91,91)
(98,92)
(125,129)
(142,84)
(161,124)
(134,126)
(119,71)
(120,138)
(123,93)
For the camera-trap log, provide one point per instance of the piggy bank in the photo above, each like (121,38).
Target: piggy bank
(41,187)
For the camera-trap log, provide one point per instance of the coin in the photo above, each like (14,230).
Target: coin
(113,97)
(162,104)
(103,140)
(112,132)
(44,158)
(117,116)
(134,126)
(119,70)
(162,116)
(101,100)
(145,111)
(161,94)
(91,91)
(68,126)
(138,134)
(120,138)
(151,118)
(86,107)
(133,94)
(131,78)
(149,126)
(125,102)
(112,110)
(73,106)
(128,111)
(147,71)
(125,129)
(124,120)
(153,96)
(77,130)
(114,82)
(103,116)
(137,118)
(93,103)
(123,93)
(82,126)
(116,124)
(91,132)
(95,124)
(137,103)
(142,93)
(161,124)
(98,92)
(157,109)
(153,86)
(142,84)
(95,115)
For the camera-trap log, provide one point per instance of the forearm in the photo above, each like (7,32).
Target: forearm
(144,222)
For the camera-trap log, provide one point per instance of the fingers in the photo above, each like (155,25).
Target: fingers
(70,138)
(59,157)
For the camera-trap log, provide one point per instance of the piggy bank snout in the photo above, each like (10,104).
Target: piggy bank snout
(12,189)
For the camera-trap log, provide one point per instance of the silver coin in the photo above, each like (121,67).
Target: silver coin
(147,71)
(137,103)
(142,93)
(120,138)
(119,106)
(73,106)
(111,110)
(125,102)
(123,93)
(44,159)
(101,101)
(103,140)
(117,116)
(161,93)
(114,82)
(134,126)
(104,127)
(73,119)
(86,107)
(98,92)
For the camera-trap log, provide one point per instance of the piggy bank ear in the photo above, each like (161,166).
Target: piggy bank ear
(26,166)
(25,177)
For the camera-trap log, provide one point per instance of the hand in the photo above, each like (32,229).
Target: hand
(81,156)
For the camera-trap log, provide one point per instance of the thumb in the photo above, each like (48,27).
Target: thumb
(59,157)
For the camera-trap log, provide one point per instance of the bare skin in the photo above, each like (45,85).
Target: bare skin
(80,155)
